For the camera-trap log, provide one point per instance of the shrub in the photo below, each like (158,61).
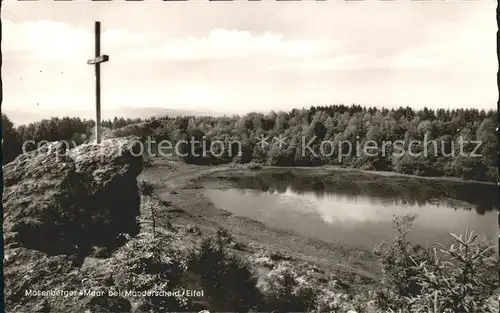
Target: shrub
(461,279)
(145,188)
(458,278)
(397,259)
(223,237)
(229,283)
(147,161)
(330,300)
(194,229)
(145,263)
(287,291)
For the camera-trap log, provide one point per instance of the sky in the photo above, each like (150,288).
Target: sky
(238,57)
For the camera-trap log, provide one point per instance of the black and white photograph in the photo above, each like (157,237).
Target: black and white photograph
(250,156)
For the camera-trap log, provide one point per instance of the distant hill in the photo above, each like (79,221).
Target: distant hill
(24,116)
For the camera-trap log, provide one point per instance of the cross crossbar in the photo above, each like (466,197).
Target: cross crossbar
(99,59)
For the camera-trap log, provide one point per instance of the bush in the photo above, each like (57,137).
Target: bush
(145,263)
(229,283)
(462,279)
(193,229)
(330,300)
(145,188)
(397,259)
(287,291)
(147,161)
(458,278)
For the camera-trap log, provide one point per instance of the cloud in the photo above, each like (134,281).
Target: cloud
(446,46)
(449,46)
(356,62)
(122,37)
(45,39)
(232,44)
(302,56)
(50,40)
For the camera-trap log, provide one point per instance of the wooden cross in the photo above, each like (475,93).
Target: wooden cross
(97,62)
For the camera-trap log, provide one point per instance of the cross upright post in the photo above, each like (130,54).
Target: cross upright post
(97,63)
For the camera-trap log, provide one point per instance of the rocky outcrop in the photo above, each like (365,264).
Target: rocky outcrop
(64,201)
(58,205)
(143,129)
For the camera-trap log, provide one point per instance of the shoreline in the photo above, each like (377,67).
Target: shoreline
(188,206)
(335,168)
(179,185)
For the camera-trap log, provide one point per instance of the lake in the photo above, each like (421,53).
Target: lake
(360,214)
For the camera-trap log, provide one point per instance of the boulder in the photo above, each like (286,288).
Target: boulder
(63,201)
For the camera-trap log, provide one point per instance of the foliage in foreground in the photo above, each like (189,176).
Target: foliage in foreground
(460,278)
(228,281)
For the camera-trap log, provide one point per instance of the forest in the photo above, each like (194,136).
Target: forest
(454,131)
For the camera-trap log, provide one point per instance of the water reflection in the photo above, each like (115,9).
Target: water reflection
(481,197)
(359,213)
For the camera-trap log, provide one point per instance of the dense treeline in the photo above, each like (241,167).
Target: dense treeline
(310,134)
(72,129)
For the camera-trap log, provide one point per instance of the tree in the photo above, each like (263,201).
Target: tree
(487,134)
(11,143)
